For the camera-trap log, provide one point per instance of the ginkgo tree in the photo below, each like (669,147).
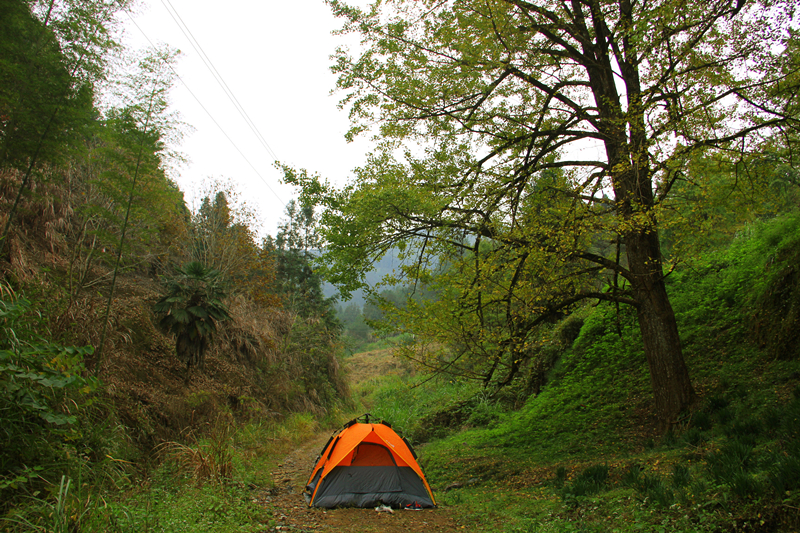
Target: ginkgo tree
(539,142)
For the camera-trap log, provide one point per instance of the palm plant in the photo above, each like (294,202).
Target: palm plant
(191,308)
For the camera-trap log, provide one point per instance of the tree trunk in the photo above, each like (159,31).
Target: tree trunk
(669,377)
(626,148)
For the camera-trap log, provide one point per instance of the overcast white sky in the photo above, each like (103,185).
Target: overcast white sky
(275,58)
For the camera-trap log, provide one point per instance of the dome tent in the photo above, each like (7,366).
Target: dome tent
(365,464)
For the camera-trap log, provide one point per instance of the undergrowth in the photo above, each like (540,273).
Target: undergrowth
(213,482)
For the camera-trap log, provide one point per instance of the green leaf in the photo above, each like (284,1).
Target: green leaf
(198,311)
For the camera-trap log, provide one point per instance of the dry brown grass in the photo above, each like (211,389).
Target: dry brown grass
(6,292)
(364,366)
(207,460)
(56,263)
(251,335)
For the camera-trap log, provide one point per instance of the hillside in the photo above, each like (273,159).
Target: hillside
(86,426)
(585,453)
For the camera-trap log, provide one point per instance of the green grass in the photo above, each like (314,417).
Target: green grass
(584,454)
(176,495)
(167,507)
(385,343)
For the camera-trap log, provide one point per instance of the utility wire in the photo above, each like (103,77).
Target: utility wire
(217,76)
(221,129)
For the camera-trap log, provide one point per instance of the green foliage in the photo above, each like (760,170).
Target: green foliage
(60,516)
(293,249)
(212,483)
(316,351)
(46,92)
(172,507)
(474,181)
(423,409)
(51,56)
(778,293)
(43,392)
(222,237)
(735,454)
(190,310)
(733,280)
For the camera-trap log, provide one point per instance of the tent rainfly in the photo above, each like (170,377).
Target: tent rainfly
(365,465)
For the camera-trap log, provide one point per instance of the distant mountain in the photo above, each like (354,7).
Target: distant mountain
(385,266)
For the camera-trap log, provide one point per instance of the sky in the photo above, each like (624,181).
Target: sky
(274,56)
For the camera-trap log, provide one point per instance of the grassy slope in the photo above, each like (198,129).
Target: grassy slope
(583,455)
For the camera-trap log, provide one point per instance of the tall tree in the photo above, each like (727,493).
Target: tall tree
(137,155)
(294,249)
(484,97)
(222,234)
(53,52)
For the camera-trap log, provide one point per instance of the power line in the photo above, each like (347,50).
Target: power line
(217,76)
(221,129)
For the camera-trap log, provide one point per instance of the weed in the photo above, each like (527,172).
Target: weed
(196,399)
(745,430)
(63,515)
(716,403)
(631,475)
(561,477)
(772,418)
(744,484)
(484,414)
(669,439)
(784,476)
(694,436)
(680,476)
(590,481)
(657,492)
(205,461)
(790,426)
(725,415)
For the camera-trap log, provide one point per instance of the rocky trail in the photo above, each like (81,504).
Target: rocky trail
(292,513)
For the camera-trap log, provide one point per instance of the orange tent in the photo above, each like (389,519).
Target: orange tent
(364,465)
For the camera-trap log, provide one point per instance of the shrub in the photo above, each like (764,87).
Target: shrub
(701,420)
(43,397)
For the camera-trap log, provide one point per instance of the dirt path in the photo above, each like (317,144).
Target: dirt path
(292,513)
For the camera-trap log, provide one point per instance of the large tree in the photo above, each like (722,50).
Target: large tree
(532,132)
